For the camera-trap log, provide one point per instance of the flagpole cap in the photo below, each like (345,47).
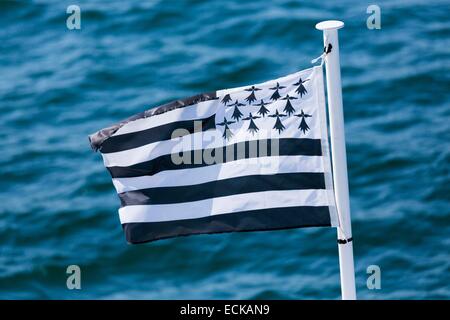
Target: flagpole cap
(329,25)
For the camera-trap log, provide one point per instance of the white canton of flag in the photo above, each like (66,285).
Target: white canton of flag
(244,159)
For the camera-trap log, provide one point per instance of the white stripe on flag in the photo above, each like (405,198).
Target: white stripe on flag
(223,205)
(197,111)
(242,167)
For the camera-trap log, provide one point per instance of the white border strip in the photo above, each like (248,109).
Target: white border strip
(320,96)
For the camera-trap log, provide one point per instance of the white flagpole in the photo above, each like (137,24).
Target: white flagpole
(339,158)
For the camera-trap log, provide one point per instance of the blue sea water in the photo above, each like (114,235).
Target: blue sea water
(58,206)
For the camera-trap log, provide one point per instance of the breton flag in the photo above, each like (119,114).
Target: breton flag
(246,159)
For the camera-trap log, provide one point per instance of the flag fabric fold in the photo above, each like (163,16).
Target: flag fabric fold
(245,159)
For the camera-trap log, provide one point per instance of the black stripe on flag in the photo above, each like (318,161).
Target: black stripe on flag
(225,187)
(287,147)
(98,139)
(160,133)
(254,220)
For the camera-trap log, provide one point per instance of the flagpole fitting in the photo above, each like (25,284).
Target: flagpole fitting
(326,27)
(329,25)
(344,241)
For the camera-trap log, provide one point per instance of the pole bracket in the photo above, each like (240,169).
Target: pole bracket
(344,241)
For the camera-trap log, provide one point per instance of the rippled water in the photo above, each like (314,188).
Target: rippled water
(58,206)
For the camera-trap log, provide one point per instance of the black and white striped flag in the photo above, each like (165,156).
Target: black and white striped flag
(244,159)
